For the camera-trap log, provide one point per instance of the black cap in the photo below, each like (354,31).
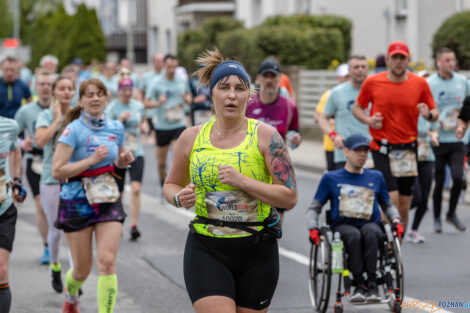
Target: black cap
(269,66)
(356,141)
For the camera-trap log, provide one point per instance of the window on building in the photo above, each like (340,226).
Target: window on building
(402,9)
(256,12)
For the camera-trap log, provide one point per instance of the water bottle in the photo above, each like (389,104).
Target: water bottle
(337,254)
(289,136)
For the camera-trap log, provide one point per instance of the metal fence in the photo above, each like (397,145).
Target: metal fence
(311,85)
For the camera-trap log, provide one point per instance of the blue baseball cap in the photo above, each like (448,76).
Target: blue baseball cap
(356,141)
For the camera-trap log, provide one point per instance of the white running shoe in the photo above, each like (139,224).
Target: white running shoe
(415,237)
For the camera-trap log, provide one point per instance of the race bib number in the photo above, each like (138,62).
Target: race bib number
(202,116)
(174,114)
(131,143)
(231,206)
(423,149)
(356,201)
(403,163)
(3,186)
(101,189)
(450,120)
(36,164)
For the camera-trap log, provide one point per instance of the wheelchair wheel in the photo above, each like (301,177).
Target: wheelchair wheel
(397,273)
(320,275)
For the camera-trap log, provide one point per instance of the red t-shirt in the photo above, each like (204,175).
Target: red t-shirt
(397,103)
(285,82)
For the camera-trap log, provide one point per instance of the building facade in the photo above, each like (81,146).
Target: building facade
(119,19)
(375,23)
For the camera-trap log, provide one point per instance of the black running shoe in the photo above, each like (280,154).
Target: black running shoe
(134,233)
(373,293)
(359,295)
(57,282)
(454,220)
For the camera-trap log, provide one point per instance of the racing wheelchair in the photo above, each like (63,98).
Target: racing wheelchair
(390,278)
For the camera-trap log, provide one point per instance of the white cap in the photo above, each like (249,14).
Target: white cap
(342,70)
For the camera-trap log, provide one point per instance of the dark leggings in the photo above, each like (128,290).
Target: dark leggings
(362,244)
(422,190)
(453,155)
(330,160)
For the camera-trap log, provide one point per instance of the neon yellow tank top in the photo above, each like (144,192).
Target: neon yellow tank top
(219,201)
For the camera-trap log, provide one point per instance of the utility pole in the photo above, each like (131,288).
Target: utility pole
(16,19)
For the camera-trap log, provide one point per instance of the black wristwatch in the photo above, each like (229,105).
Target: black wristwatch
(176,200)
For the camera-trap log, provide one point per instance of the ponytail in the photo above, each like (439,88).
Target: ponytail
(207,63)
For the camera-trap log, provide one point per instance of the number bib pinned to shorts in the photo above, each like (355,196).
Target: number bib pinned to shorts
(131,143)
(356,201)
(230,206)
(101,189)
(403,163)
(174,114)
(3,186)
(370,162)
(423,149)
(450,120)
(36,164)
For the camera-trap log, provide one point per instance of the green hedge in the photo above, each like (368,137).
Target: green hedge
(454,34)
(293,40)
(324,21)
(313,48)
(241,45)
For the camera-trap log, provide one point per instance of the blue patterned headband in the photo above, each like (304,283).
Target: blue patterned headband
(228,68)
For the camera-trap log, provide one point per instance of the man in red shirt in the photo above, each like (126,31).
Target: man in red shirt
(398,97)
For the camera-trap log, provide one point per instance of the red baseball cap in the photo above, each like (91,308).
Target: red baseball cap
(398,47)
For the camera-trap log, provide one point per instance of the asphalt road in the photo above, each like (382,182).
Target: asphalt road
(150,270)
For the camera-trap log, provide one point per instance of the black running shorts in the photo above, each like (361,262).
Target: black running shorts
(164,137)
(404,185)
(7,228)
(238,268)
(136,171)
(33,178)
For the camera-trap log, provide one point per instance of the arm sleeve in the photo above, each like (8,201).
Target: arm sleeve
(320,198)
(313,214)
(385,203)
(365,96)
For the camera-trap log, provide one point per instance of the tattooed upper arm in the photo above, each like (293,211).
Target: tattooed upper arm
(280,162)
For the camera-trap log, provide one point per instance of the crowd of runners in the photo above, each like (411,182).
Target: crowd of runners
(387,136)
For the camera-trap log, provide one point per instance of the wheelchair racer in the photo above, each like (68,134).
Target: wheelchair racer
(355,194)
